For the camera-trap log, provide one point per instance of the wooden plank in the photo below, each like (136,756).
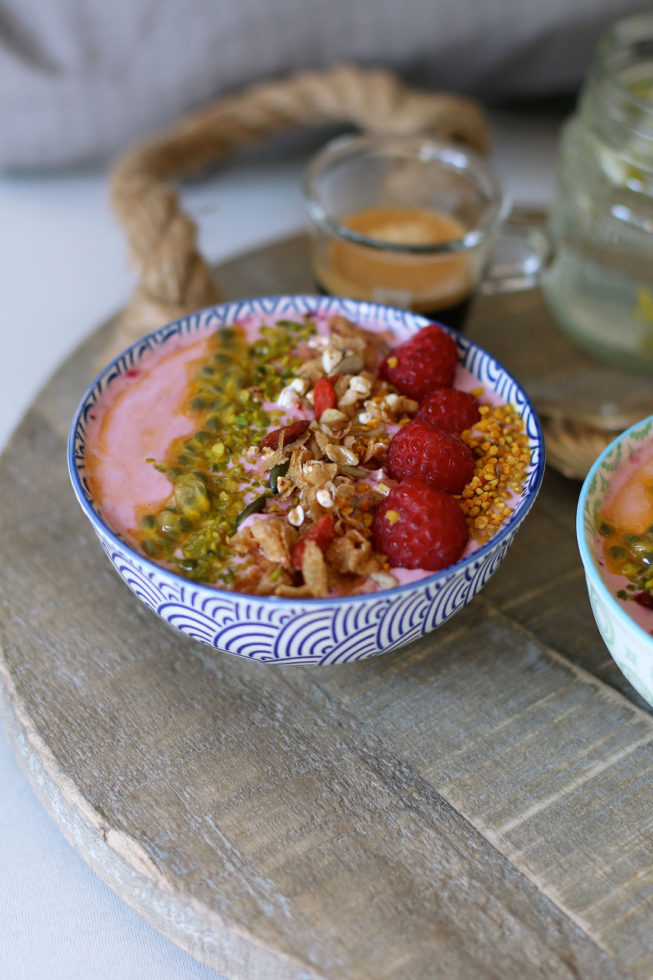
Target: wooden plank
(478,804)
(531,750)
(314,837)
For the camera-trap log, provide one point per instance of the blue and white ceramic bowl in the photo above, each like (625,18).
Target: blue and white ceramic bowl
(306,631)
(630,645)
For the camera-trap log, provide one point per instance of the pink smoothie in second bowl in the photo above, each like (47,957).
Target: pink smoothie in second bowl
(253,458)
(624,535)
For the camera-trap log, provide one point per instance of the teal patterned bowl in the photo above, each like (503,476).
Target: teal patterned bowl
(630,642)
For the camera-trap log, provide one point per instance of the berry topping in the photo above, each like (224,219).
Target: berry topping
(287,432)
(439,458)
(419,527)
(426,361)
(450,409)
(321,533)
(324,396)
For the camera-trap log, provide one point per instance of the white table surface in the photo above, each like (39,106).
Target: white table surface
(63,271)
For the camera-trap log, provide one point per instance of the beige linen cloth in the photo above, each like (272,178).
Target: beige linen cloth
(80,80)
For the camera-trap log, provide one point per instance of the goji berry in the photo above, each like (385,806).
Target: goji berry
(324,396)
(289,432)
(321,533)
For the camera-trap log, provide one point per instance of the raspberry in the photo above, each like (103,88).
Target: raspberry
(439,458)
(450,409)
(418,527)
(426,361)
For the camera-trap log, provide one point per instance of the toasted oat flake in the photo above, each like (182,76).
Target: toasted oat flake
(296,516)
(331,356)
(384,580)
(341,455)
(361,385)
(275,537)
(352,552)
(332,417)
(289,398)
(314,570)
(324,498)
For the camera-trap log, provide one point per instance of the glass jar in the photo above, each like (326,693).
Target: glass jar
(599,286)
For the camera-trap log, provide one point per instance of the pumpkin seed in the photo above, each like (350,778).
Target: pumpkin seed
(254,507)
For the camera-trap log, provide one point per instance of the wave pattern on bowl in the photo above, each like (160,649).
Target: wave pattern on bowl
(254,628)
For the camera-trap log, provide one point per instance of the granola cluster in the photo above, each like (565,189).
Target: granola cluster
(331,466)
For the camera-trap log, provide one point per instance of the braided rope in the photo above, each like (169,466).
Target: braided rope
(173,278)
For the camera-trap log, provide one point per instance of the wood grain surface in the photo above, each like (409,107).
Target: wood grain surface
(478,804)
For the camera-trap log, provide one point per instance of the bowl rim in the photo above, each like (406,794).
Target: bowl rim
(442,575)
(589,564)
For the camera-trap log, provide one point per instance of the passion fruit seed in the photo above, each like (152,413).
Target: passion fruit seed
(210,484)
(187,565)
(155,547)
(191,497)
(174,524)
(631,555)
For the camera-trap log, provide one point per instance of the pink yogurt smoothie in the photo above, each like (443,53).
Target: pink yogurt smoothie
(132,426)
(628,507)
(143,410)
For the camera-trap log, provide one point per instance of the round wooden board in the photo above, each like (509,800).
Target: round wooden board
(476,804)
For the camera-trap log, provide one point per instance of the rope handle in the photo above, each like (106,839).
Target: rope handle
(173,278)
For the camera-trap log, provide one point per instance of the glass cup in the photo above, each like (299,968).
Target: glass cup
(416,223)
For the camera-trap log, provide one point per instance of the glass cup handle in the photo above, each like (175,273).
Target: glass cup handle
(519,255)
